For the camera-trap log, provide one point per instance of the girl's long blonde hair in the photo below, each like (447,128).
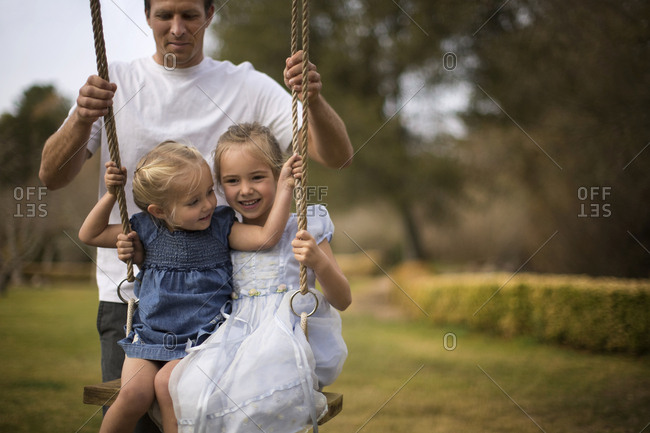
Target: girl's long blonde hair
(168,172)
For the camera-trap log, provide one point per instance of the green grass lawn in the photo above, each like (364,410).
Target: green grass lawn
(400,376)
(50,350)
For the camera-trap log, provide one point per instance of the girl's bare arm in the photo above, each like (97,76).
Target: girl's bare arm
(320,258)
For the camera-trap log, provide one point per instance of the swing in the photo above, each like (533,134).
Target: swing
(104,394)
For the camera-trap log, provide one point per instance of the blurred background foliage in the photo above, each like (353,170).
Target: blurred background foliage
(477,126)
(557,101)
(39,112)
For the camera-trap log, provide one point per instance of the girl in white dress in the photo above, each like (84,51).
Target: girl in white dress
(258,372)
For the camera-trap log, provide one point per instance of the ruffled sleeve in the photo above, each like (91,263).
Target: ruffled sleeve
(142,223)
(222,221)
(319,223)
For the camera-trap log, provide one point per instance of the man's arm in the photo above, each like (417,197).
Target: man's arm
(329,143)
(65,152)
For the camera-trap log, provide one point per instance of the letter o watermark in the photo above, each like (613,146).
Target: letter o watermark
(448,338)
(170,341)
(449,61)
(169,61)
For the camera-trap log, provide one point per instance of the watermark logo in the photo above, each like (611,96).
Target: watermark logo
(30,202)
(312,194)
(449,61)
(594,202)
(169,61)
(449,341)
(170,341)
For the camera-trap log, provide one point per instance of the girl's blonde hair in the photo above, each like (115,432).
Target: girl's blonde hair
(254,138)
(168,172)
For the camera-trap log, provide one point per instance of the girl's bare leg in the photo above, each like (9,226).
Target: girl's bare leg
(135,397)
(164,399)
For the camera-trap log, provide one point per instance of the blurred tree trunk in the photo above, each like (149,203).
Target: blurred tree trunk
(22,135)
(414,249)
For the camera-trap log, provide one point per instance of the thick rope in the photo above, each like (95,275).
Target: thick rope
(300,136)
(109,123)
(129,315)
(303,323)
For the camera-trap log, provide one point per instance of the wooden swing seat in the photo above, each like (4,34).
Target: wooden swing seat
(104,394)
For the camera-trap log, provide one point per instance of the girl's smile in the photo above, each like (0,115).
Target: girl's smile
(250,204)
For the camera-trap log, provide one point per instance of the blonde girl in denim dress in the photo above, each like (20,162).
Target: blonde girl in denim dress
(185,275)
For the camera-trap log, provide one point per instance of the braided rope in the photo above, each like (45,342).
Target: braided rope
(129,315)
(109,122)
(303,324)
(300,137)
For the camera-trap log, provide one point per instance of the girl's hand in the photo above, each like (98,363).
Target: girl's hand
(114,178)
(291,170)
(307,251)
(320,258)
(130,247)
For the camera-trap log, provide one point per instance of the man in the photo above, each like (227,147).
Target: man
(177,94)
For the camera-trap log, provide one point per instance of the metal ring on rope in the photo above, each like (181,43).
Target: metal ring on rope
(294,295)
(119,290)
(132,303)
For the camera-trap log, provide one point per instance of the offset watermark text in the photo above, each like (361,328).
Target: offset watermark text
(30,202)
(593,202)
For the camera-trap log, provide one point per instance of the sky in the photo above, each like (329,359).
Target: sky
(53,43)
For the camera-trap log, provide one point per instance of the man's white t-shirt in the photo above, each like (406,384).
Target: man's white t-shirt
(191,105)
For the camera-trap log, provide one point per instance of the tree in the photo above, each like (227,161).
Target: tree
(363,50)
(39,113)
(567,87)
(558,107)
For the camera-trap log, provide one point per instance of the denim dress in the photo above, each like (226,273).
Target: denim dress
(183,284)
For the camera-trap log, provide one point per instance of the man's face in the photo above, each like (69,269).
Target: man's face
(178,29)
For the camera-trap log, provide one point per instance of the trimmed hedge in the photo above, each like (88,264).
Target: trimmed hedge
(597,314)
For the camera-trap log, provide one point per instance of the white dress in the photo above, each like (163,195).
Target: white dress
(257,372)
